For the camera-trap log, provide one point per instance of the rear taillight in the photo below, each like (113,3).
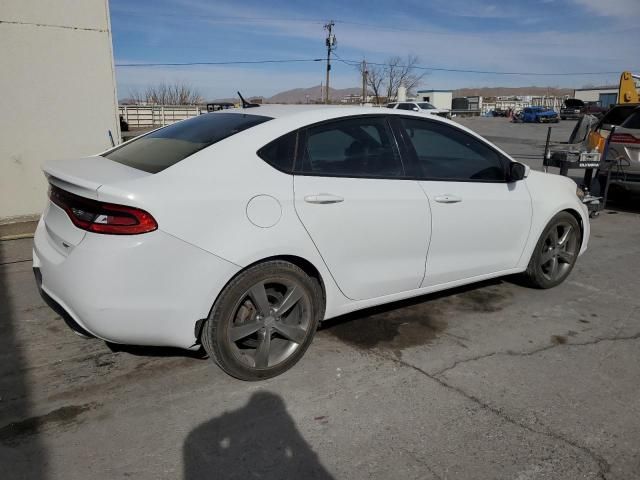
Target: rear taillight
(100,217)
(624,138)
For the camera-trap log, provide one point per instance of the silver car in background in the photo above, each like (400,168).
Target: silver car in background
(624,153)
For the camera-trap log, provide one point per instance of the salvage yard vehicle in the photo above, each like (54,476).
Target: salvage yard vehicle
(421,107)
(241,230)
(615,117)
(572,108)
(624,155)
(538,115)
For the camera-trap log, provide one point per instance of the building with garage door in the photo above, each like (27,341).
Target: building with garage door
(607,95)
(58,94)
(437,98)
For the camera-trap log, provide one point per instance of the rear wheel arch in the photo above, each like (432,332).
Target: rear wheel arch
(302,263)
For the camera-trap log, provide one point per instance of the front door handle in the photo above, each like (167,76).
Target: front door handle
(448,198)
(323,198)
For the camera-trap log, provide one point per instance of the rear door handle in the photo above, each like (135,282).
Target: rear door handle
(448,198)
(323,198)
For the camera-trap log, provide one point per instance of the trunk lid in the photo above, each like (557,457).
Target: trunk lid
(81,176)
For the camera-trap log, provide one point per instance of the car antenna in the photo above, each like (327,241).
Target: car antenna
(246,104)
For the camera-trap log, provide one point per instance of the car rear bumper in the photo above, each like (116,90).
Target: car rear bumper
(146,289)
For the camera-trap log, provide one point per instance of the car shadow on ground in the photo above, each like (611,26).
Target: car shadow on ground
(146,351)
(19,458)
(399,305)
(258,440)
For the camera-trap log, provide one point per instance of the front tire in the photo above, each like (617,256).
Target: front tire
(263,321)
(555,253)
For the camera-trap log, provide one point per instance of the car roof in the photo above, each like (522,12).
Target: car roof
(317,112)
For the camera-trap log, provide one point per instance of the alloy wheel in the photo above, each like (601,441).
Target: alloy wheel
(559,251)
(269,323)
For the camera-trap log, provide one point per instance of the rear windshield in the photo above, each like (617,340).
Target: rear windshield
(633,121)
(616,116)
(169,145)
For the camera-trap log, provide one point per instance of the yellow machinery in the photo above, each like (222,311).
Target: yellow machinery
(628,94)
(627,91)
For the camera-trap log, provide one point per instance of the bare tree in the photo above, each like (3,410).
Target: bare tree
(399,72)
(168,94)
(384,80)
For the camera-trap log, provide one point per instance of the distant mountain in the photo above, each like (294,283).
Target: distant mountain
(311,94)
(511,91)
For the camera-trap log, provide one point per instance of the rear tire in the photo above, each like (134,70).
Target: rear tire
(555,253)
(263,321)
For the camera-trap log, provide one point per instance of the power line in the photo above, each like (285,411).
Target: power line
(238,62)
(354,63)
(489,72)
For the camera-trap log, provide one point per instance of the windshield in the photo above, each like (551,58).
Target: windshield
(426,106)
(169,145)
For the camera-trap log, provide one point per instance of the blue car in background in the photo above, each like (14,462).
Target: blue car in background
(538,115)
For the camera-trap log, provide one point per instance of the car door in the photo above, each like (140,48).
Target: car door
(480,221)
(370,224)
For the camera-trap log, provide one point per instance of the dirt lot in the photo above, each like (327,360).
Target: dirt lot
(493,381)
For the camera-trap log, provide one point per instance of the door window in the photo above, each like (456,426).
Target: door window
(447,153)
(356,147)
(406,106)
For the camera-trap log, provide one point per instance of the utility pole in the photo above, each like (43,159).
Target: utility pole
(331,45)
(364,82)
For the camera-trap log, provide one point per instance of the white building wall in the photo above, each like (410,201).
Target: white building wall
(592,95)
(58,95)
(439,99)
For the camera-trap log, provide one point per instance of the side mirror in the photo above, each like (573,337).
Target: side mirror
(416,109)
(517,171)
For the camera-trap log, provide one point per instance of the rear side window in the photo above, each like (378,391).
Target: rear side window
(169,145)
(280,153)
(447,153)
(355,147)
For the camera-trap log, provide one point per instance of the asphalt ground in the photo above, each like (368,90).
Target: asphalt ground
(491,381)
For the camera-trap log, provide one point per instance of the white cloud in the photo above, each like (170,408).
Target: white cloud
(624,9)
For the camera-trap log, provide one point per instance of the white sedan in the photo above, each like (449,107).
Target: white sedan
(421,107)
(241,230)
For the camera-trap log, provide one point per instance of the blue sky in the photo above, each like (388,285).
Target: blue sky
(500,35)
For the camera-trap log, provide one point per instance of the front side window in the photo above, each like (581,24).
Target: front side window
(406,106)
(426,106)
(169,145)
(447,153)
(356,147)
